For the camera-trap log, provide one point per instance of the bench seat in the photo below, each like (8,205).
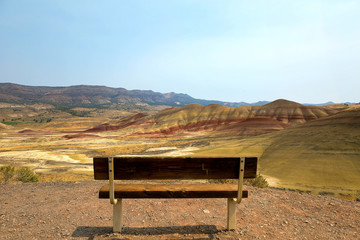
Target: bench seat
(172,191)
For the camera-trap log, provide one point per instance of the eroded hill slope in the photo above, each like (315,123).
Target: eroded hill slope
(324,153)
(247,120)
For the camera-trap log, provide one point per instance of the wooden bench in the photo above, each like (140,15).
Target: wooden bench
(166,168)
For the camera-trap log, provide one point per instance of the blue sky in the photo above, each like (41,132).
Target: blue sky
(306,51)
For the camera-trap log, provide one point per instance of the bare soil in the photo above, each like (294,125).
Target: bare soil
(72,210)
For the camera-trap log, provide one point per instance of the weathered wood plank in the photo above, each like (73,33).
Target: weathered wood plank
(173,191)
(140,168)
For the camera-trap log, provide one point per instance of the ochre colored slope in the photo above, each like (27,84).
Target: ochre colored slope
(322,156)
(253,126)
(198,117)
(322,153)
(247,120)
(133,120)
(292,112)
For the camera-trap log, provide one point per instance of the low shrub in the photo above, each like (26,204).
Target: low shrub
(347,197)
(8,172)
(259,182)
(22,174)
(26,175)
(324,193)
(357,196)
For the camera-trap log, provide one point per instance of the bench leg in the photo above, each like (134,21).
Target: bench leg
(117,216)
(231,218)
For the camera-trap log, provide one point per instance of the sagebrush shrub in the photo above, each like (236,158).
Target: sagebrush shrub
(23,174)
(259,182)
(8,172)
(26,175)
(357,197)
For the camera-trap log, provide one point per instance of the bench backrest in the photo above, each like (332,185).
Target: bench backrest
(152,168)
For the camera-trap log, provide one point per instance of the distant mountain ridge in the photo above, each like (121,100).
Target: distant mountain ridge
(99,96)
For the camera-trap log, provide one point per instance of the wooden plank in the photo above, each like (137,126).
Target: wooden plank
(173,191)
(140,168)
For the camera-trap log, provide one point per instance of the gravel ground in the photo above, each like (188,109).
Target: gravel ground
(72,210)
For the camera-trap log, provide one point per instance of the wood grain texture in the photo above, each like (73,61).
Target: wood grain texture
(151,168)
(172,191)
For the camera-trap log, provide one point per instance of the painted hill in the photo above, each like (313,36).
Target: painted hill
(321,156)
(247,120)
(324,153)
(292,112)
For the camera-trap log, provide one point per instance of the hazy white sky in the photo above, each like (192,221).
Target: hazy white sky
(306,51)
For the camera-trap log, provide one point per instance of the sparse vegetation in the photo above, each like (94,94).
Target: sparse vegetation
(347,196)
(79,113)
(26,175)
(324,193)
(10,123)
(23,174)
(357,196)
(259,182)
(8,172)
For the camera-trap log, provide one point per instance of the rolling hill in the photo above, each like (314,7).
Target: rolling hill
(324,153)
(321,156)
(247,120)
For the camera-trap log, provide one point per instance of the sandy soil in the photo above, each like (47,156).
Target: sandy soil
(72,210)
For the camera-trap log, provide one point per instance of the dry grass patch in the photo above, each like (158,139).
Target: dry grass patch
(66,176)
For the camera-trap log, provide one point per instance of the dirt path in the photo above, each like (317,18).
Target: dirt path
(71,210)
